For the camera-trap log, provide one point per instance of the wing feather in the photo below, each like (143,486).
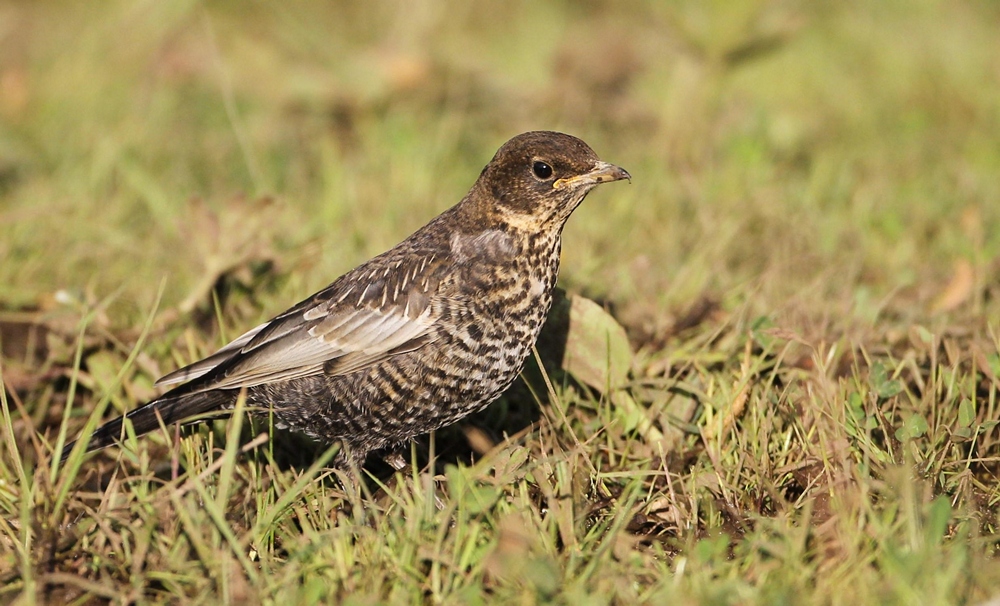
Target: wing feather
(199,368)
(328,333)
(302,353)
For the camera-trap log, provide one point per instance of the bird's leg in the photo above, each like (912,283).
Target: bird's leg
(348,465)
(395,460)
(399,463)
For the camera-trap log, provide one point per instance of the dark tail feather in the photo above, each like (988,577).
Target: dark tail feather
(144,419)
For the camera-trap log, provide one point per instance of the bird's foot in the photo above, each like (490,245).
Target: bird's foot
(396,461)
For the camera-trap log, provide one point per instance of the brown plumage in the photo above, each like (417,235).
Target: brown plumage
(419,336)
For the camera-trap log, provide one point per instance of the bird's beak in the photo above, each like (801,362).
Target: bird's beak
(603,172)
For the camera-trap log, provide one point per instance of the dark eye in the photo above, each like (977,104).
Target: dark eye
(542,170)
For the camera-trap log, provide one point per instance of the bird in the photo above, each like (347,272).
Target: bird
(415,338)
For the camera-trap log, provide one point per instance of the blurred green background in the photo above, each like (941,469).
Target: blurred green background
(818,154)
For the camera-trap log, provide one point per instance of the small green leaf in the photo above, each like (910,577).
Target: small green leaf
(884,386)
(474,496)
(914,426)
(966,413)
(994,361)
(708,550)
(889,389)
(856,406)
(855,414)
(962,434)
(880,456)
(480,498)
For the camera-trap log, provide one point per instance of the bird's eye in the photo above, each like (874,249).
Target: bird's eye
(542,170)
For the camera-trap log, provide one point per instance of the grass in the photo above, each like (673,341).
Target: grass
(806,265)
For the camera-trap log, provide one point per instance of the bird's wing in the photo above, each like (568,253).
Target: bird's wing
(199,368)
(364,317)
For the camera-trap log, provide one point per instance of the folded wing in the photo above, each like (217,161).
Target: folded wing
(359,320)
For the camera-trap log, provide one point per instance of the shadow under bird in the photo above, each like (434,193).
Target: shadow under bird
(416,338)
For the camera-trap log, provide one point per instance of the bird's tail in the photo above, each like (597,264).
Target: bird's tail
(147,417)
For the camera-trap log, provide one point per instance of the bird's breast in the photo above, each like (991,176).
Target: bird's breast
(505,299)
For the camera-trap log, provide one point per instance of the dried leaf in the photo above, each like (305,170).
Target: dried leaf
(958,290)
(598,352)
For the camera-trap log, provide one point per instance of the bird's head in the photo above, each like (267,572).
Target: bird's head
(537,179)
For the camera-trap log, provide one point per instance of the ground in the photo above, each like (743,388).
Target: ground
(774,378)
